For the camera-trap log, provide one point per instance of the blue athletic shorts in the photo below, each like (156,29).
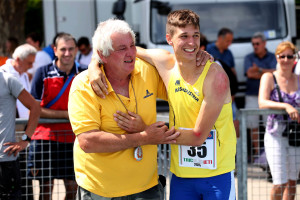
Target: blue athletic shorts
(221,187)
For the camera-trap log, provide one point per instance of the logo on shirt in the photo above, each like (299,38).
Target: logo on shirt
(179,88)
(187,91)
(148,94)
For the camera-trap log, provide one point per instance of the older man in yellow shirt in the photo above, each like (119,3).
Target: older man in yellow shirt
(109,161)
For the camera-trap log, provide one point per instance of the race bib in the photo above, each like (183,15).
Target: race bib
(204,156)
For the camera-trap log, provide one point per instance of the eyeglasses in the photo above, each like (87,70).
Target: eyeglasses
(285,56)
(255,43)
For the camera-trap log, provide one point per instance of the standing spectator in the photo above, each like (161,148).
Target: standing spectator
(219,50)
(284,160)
(41,58)
(12,89)
(255,65)
(23,59)
(85,51)
(51,149)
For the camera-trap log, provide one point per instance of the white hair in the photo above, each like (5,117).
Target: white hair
(23,51)
(102,37)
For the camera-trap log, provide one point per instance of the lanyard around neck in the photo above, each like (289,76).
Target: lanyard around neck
(136,108)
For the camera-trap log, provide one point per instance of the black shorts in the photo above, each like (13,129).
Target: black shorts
(50,160)
(10,180)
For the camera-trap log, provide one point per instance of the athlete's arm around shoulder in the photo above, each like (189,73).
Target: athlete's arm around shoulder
(162,59)
(216,91)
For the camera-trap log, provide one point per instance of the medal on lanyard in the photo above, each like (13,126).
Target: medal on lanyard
(138,153)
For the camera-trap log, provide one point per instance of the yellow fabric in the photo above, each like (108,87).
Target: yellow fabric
(185,102)
(115,174)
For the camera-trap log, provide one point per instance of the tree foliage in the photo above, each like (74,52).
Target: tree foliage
(18,18)
(34,17)
(12,20)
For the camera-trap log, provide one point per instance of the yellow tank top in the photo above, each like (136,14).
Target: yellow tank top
(217,155)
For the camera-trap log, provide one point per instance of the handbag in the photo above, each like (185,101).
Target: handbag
(292,129)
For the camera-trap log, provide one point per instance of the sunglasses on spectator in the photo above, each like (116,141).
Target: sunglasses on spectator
(285,56)
(255,43)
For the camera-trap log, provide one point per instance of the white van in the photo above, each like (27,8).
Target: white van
(276,18)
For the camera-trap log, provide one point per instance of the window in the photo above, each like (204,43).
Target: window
(244,18)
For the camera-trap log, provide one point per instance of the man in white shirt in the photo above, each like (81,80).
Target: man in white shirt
(85,51)
(22,60)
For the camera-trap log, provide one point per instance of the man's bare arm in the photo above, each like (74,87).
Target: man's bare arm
(54,114)
(160,58)
(96,141)
(255,72)
(163,61)
(216,92)
(29,102)
(34,111)
(97,78)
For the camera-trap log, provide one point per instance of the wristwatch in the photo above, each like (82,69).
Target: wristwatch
(260,70)
(26,138)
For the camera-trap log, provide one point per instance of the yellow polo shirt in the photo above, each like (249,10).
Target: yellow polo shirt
(115,174)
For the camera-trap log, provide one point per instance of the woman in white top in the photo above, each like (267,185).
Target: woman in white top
(283,159)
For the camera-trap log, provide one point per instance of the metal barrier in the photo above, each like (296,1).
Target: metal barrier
(252,178)
(31,186)
(253,175)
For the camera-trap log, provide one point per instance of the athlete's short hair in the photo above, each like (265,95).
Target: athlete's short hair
(181,18)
